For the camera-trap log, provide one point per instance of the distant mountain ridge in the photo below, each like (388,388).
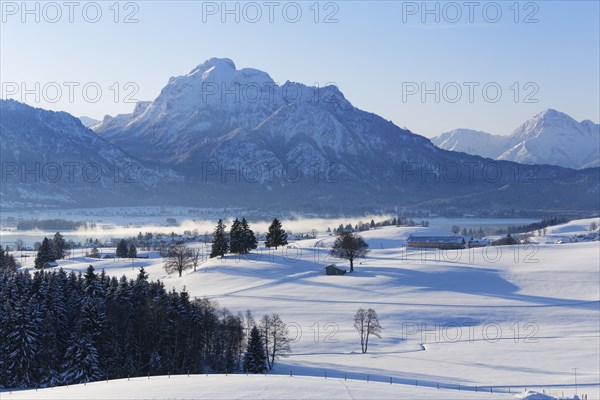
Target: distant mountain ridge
(223,137)
(51,158)
(550,137)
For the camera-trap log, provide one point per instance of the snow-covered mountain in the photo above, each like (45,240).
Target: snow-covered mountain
(51,158)
(471,142)
(550,137)
(242,140)
(231,131)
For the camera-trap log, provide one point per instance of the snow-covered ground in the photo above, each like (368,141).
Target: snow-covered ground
(216,387)
(510,318)
(573,231)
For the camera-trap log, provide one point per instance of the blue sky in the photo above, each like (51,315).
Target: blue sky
(378,53)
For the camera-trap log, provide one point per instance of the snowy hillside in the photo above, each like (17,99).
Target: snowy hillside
(550,137)
(269,387)
(471,142)
(509,318)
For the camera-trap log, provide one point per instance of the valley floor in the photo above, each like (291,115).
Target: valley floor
(509,318)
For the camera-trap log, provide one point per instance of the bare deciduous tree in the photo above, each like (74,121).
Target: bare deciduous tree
(275,335)
(19,244)
(366,322)
(178,259)
(196,257)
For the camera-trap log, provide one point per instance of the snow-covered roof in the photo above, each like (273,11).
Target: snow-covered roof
(435,239)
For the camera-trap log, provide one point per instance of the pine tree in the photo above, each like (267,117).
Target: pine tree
(255,358)
(220,245)
(236,237)
(276,236)
(248,239)
(122,249)
(45,254)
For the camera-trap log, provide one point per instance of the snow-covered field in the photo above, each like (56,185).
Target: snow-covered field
(510,318)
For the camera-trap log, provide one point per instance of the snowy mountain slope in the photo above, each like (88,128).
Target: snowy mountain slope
(517,317)
(231,131)
(88,122)
(50,157)
(471,142)
(550,137)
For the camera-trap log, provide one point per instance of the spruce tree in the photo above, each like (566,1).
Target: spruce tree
(122,249)
(132,251)
(220,245)
(45,254)
(248,239)
(59,246)
(276,236)
(236,237)
(22,345)
(7,262)
(82,364)
(255,357)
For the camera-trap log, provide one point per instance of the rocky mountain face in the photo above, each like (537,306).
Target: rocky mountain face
(550,137)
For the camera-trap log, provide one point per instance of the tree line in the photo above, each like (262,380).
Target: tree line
(67,328)
(241,239)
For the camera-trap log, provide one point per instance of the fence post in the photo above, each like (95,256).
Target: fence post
(491,391)
(290,372)
(390,380)
(325,374)
(475,387)
(368,378)
(344,376)
(459,387)
(438,385)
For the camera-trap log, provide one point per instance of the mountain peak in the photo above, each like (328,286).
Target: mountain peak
(551,113)
(214,62)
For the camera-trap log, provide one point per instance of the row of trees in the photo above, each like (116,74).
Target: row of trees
(241,239)
(51,250)
(67,328)
(365,226)
(125,250)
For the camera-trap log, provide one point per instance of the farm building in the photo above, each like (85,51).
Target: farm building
(333,270)
(436,242)
(50,264)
